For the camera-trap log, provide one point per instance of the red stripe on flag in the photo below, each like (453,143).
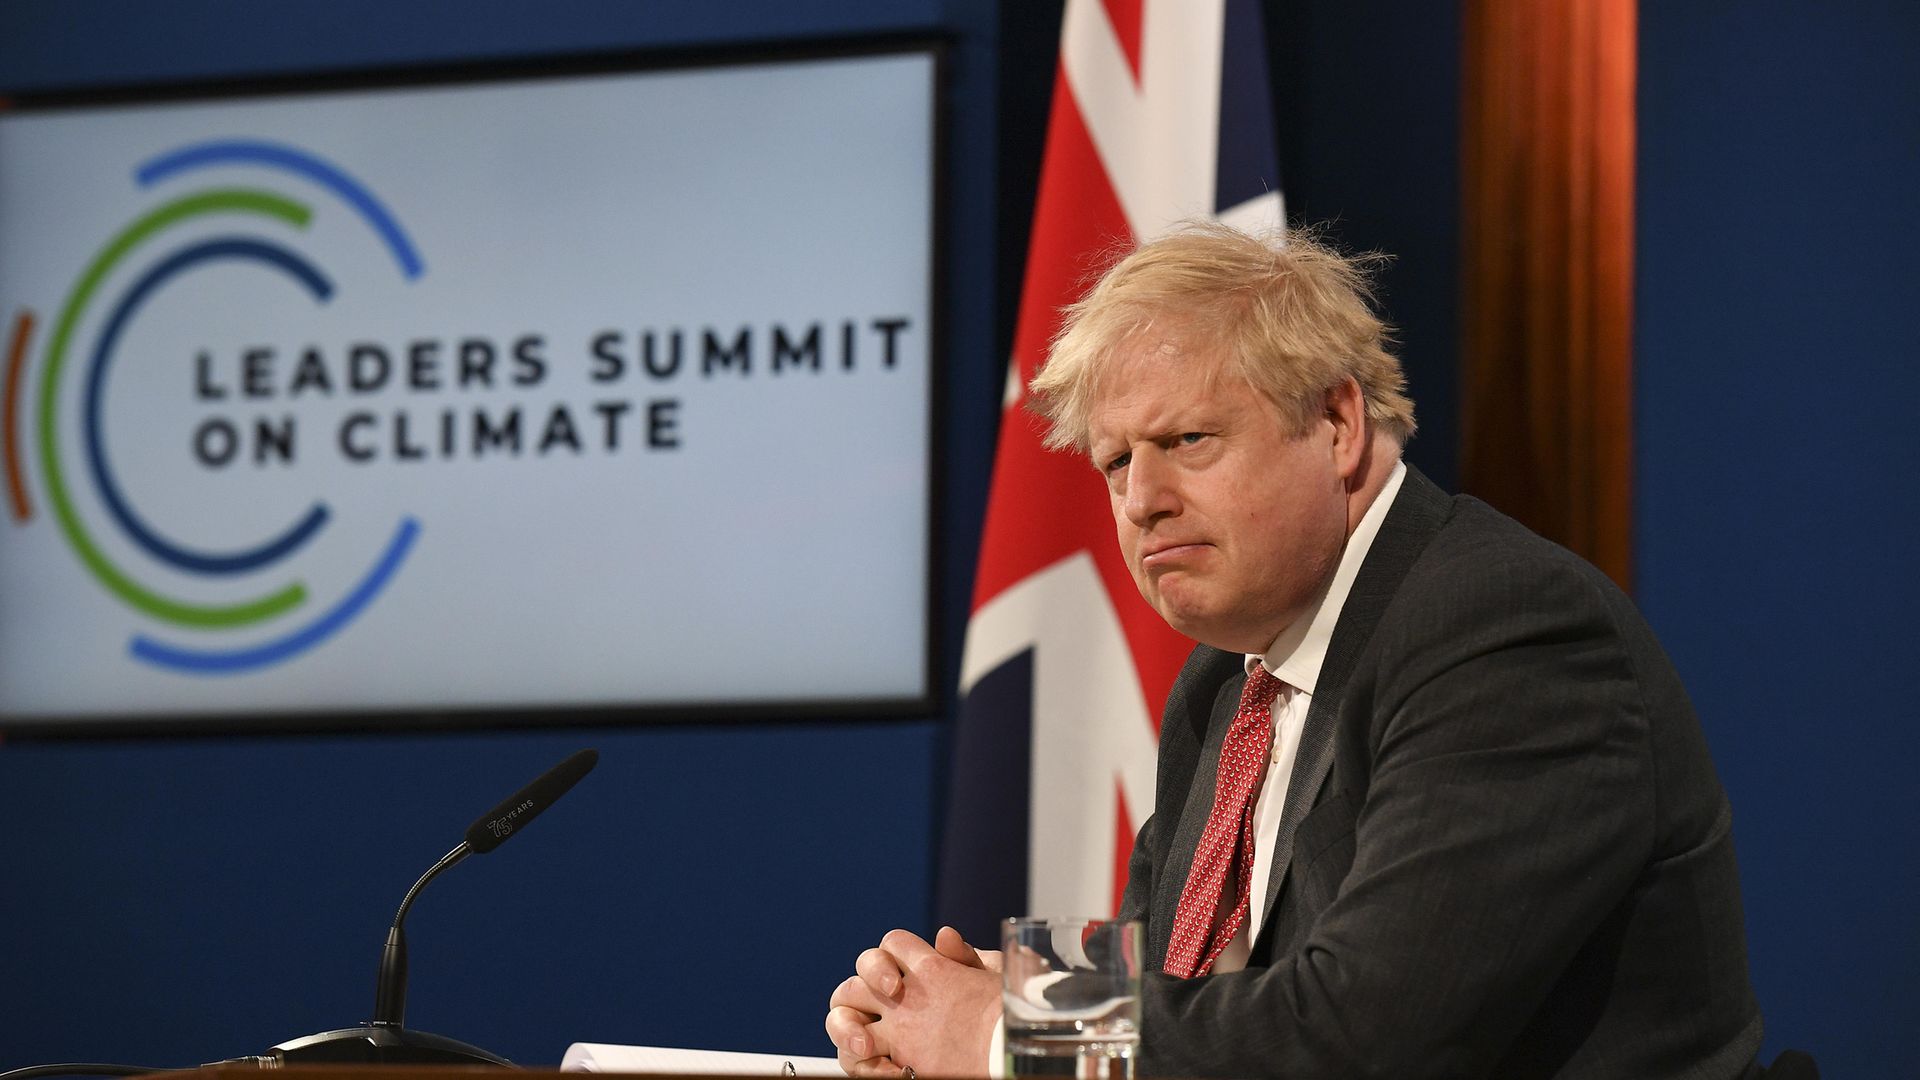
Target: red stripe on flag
(1125,17)
(1044,506)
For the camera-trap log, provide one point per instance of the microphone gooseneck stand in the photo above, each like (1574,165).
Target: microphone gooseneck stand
(386,1038)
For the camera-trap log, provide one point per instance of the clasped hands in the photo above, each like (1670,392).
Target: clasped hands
(932,1007)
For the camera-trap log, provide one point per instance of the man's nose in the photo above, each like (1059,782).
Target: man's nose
(1151,490)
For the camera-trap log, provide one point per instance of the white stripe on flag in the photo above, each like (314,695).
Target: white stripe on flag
(1091,730)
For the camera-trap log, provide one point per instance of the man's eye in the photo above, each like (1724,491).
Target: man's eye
(1191,437)
(1116,464)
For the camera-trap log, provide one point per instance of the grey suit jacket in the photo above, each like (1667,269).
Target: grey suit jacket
(1504,850)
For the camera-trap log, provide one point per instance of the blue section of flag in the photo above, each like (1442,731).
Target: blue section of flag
(1248,161)
(983,856)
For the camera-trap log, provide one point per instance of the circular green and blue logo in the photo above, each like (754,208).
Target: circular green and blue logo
(254,226)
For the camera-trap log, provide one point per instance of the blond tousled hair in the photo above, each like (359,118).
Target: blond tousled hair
(1287,312)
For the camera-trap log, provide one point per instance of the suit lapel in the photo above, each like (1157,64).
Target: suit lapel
(1193,816)
(1416,514)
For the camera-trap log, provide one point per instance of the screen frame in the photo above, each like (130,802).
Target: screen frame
(923,705)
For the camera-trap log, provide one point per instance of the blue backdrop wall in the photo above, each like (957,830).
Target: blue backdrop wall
(1777,487)
(170,902)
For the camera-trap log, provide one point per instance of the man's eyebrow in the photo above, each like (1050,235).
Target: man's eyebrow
(1177,426)
(1160,431)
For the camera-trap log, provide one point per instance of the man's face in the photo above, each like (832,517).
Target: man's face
(1230,524)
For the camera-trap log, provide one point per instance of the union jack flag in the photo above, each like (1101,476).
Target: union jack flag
(1161,113)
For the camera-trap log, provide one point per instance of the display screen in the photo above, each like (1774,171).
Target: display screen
(604,390)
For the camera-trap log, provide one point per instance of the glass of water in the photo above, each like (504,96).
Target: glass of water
(1071,992)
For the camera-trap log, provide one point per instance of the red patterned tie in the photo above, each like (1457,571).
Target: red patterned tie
(1226,847)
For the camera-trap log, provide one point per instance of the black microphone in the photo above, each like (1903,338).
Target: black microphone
(385,1039)
(523,806)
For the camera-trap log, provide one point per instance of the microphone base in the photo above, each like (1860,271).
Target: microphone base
(382,1044)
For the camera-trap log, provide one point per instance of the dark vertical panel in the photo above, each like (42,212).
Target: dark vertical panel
(1368,106)
(1029,59)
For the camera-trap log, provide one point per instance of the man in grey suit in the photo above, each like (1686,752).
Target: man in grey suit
(1431,800)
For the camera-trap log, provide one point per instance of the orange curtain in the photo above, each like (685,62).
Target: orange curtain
(1547,239)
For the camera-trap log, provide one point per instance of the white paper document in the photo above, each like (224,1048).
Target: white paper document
(610,1058)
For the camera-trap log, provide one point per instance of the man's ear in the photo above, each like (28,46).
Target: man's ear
(1352,435)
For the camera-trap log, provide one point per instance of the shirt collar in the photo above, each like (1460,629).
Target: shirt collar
(1296,655)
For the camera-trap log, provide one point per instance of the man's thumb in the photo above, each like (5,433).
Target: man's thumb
(950,944)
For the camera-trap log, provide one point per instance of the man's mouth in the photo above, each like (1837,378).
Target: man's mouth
(1159,556)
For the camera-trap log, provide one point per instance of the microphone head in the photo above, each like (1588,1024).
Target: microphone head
(523,806)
